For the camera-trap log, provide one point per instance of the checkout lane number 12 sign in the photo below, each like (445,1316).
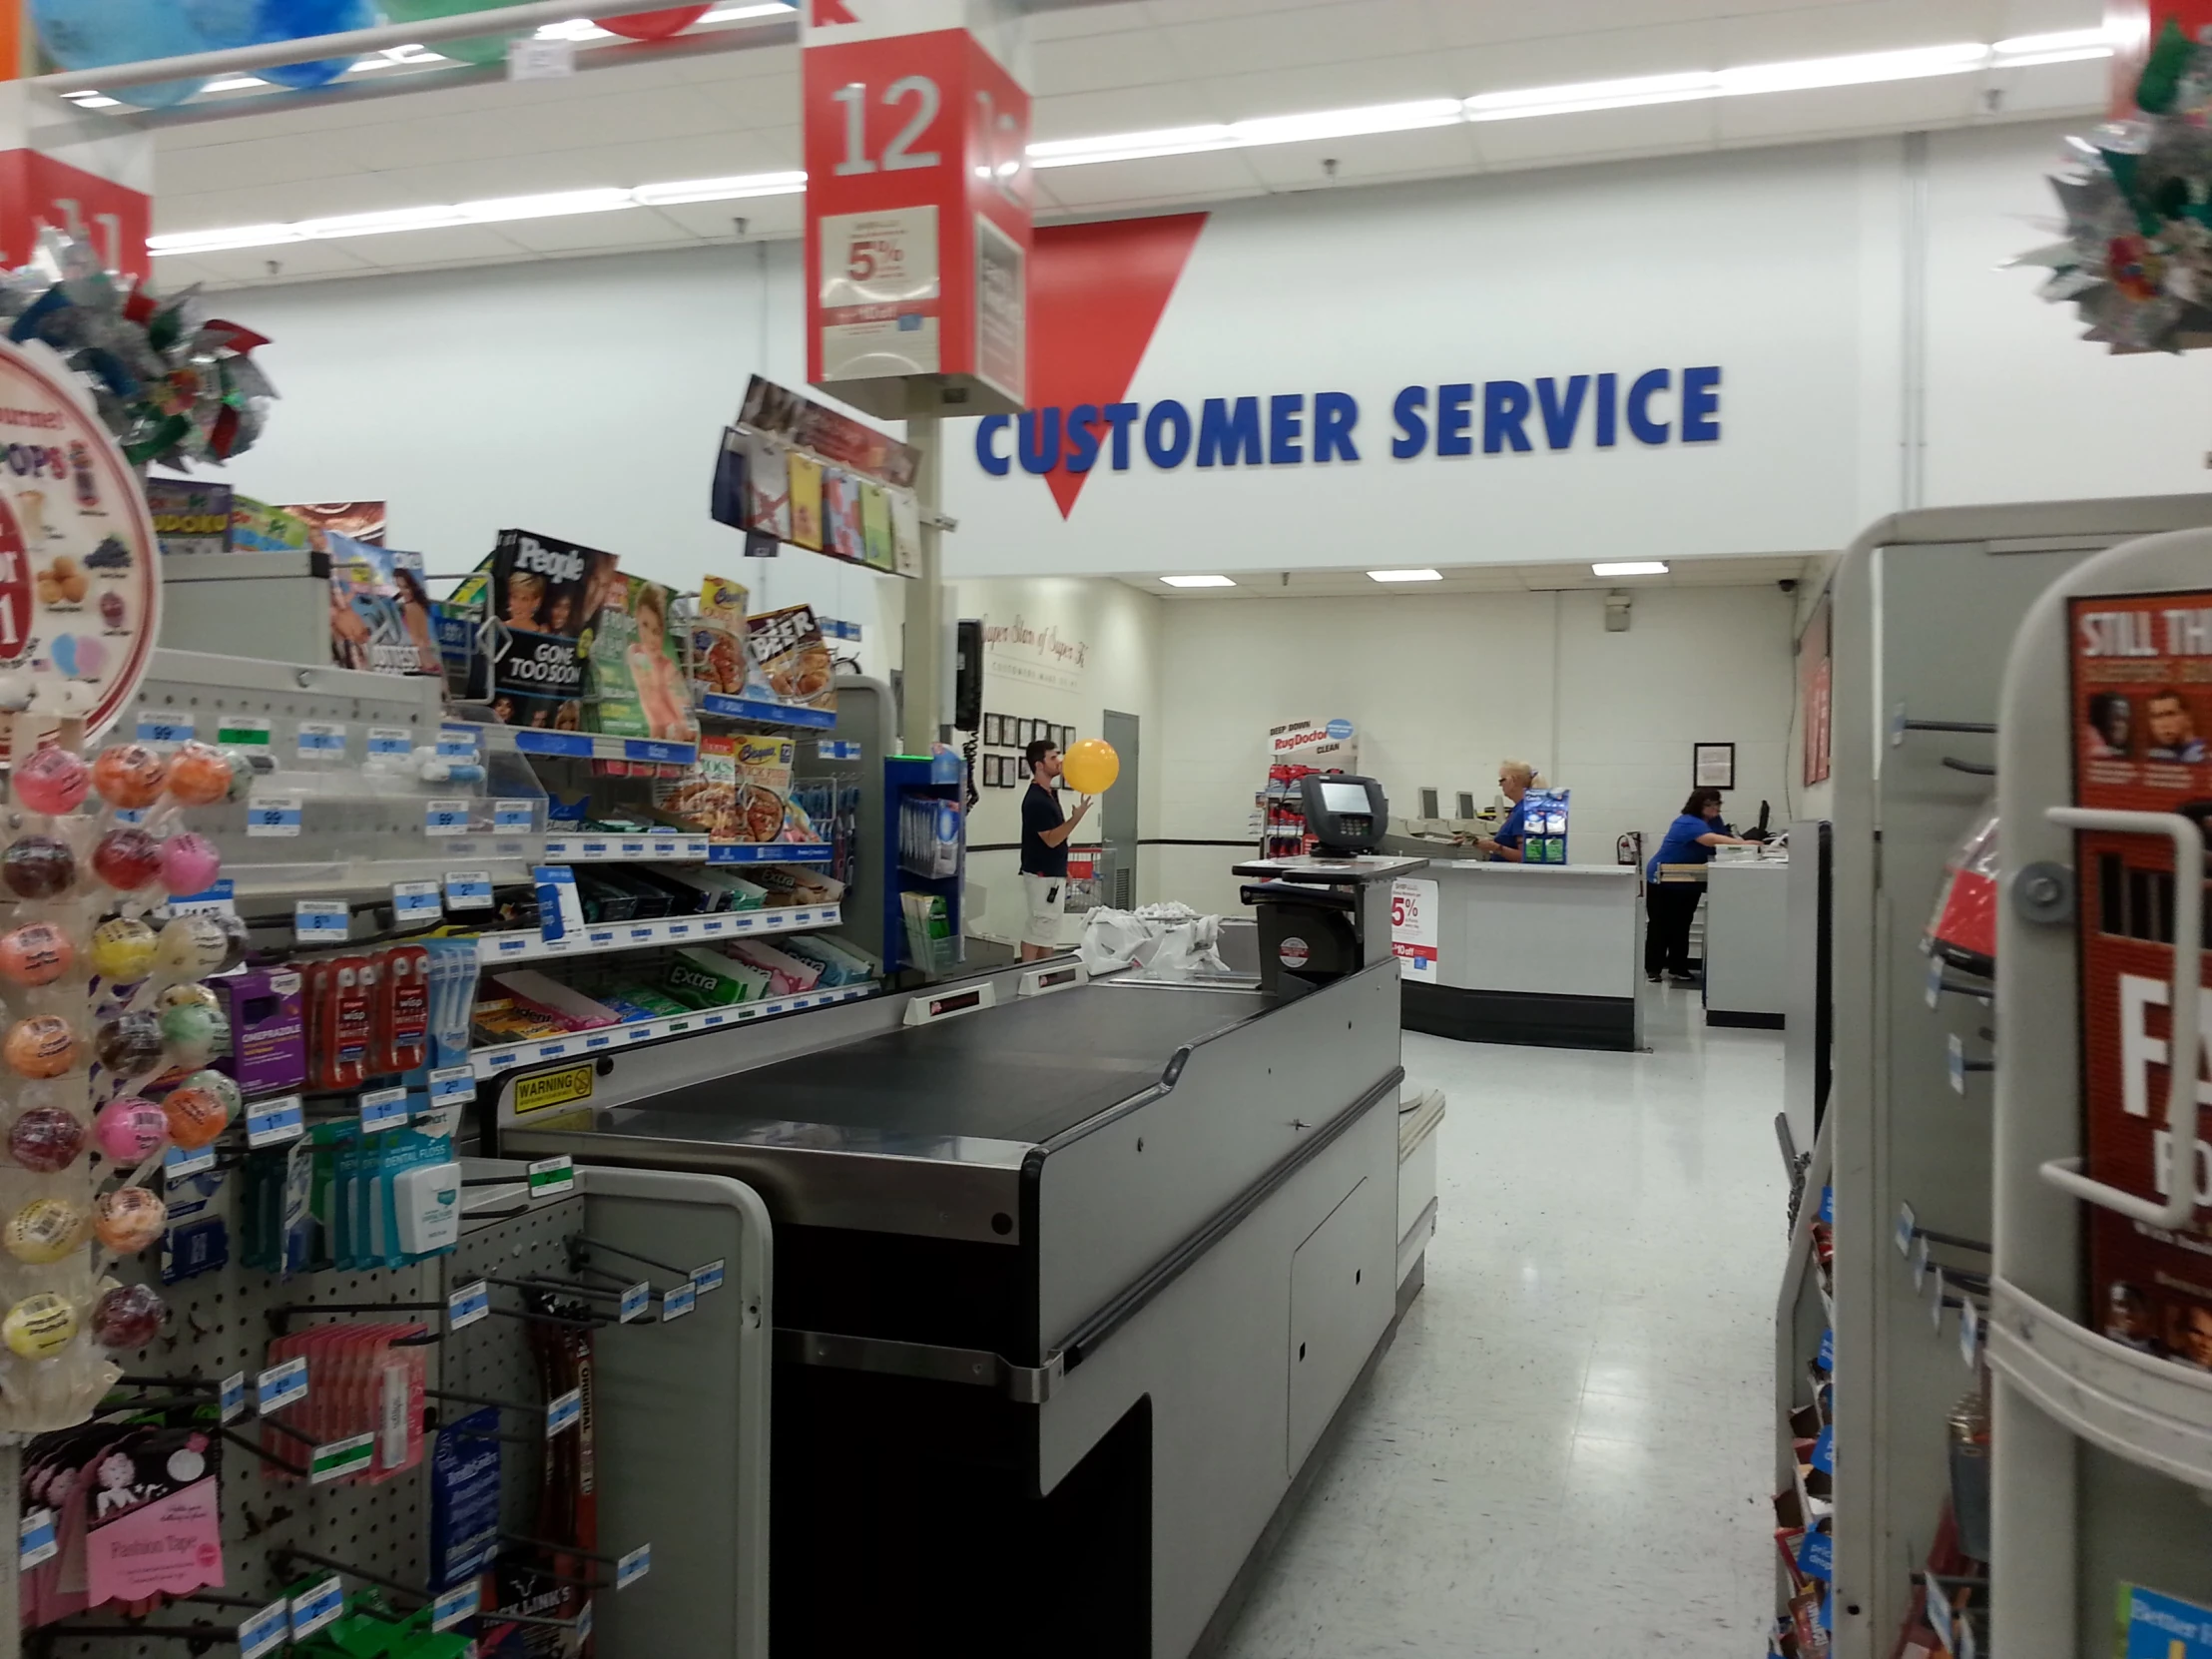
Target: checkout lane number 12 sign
(1414,927)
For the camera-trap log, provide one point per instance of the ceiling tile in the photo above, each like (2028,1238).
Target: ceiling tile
(1596,133)
(2046,17)
(767,218)
(1431,150)
(418,248)
(1896,106)
(346,193)
(1137,181)
(593,233)
(1133,58)
(1859,26)
(1075,22)
(247,161)
(2050,88)
(292,262)
(1569,60)
(1125,110)
(1340,86)
(1307,35)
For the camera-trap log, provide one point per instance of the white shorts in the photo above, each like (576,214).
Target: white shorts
(1047,897)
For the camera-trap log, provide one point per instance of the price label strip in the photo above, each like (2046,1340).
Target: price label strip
(313,1609)
(321,739)
(468,889)
(678,1302)
(637,1302)
(564,1412)
(266,1631)
(457,1606)
(241,732)
(276,1122)
(341,1458)
(390,740)
(166,726)
(280,1386)
(451,1083)
(38,1539)
(552,1178)
(468,1306)
(445,817)
(633,1566)
(383,1109)
(413,902)
(180,1165)
(273,816)
(513,816)
(233,1396)
(322,922)
(709,1277)
(456,743)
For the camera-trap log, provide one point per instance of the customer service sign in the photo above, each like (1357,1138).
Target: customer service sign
(1244,389)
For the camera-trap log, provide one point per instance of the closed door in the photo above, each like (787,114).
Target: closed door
(1117,815)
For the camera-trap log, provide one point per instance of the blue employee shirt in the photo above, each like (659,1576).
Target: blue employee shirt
(1513,831)
(1681,845)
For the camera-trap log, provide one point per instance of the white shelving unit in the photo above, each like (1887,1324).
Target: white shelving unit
(490,1063)
(502,949)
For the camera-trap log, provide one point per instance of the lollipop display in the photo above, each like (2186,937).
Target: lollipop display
(128,1318)
(199,776)
(126,858)
(194,1116)
(38,866)
(130,1130)
(46,1139)
(37,953)
(129,774)
(129,1219)
(53,782)
(123,949)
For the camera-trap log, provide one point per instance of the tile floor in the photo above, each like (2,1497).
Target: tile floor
(1566,1452)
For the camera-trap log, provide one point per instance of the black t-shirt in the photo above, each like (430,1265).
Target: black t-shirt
(1040,811)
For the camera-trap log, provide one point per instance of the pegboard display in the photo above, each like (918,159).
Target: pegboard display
(221,1324)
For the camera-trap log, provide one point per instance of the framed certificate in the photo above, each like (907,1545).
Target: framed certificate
(1713,766)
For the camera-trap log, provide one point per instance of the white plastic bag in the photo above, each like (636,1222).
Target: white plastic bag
(1168,941)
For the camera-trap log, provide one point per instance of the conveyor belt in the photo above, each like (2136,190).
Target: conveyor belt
(1024,1071)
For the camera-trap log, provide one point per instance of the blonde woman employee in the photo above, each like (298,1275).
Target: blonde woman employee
(1514,779)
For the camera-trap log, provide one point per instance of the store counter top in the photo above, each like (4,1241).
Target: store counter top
(1530,953)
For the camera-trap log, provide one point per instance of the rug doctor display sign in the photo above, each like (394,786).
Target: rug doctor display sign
(2142,713)
(80,594)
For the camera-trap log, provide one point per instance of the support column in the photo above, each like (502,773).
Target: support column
(920,725)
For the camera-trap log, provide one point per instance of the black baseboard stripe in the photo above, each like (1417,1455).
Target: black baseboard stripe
(1534,1018)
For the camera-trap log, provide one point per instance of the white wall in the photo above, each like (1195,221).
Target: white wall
(1109,637)
(1442,689)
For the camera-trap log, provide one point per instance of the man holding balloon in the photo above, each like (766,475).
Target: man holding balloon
(1091,766)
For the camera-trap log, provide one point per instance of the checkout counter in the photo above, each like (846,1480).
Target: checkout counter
(1749,973)
(1069,1281)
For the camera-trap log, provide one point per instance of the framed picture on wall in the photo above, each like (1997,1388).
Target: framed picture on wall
(1029,734)
(1067,736)
(993,731)
(1713,766)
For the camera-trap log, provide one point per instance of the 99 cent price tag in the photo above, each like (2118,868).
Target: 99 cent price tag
(445,817)
(166,726)
(274,814)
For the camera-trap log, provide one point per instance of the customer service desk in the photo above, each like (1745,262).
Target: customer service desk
(1531,953)
(1747,964)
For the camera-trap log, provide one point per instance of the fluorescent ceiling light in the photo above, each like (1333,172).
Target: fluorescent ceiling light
(1405,576)
(493,210)
(1198,581)
(1631,567)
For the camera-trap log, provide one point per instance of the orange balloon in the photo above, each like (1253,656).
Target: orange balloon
(1091,766)
(653,25)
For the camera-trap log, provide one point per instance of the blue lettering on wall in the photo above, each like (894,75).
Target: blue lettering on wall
(1660,406)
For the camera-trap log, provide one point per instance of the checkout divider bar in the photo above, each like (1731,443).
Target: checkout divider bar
(1035,1385)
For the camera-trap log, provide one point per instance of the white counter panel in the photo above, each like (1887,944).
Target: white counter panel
(1559,930)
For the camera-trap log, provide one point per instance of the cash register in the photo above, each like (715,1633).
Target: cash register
(1325,915)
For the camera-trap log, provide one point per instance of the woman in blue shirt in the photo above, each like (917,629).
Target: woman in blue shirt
(1513,781)
(1669,907)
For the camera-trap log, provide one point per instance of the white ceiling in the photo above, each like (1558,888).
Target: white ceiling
(1100,68)
(1529,578)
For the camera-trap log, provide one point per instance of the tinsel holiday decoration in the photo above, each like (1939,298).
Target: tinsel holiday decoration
(172,385)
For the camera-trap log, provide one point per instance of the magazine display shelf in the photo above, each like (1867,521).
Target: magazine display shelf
(755,711)
(2101,1456)
(528,945)
(626,850)
(494,739)
(490,1063)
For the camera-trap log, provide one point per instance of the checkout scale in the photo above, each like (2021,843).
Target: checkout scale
(1069,1278)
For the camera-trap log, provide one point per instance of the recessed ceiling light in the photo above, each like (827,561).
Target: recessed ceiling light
(1631,567)
(1198,581)
(1405,576)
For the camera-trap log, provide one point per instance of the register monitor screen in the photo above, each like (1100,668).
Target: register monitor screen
(1346,814)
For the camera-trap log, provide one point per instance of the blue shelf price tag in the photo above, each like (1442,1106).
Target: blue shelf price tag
(466,1306)
(280,1386)
(415,902)
(468,889)
(266,1631)
(1828,1204)
(274,814)
(513,816)
(1827,1349)
(837,749)
(322,922)
(383,1109)
(1969,1333)
(457,1605)
(593,849)
(678,1302)
(637,1302)
(564,1412)
(584,1621)
(708,1277)
(321,739)
(1907,1228)
(390,740)
(1939,1617)
(1956,1062)
(449,1083)
(1815,1556)
(233,1396)
(275,1122)
(180,1165)
(574,745)
(1824,1450)
(631,850)
(37,1539)
(166,726)
(666,849)
(667,754)
(218,901)
(456,743)
(445,817)
(633,1566)
(315,1608)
